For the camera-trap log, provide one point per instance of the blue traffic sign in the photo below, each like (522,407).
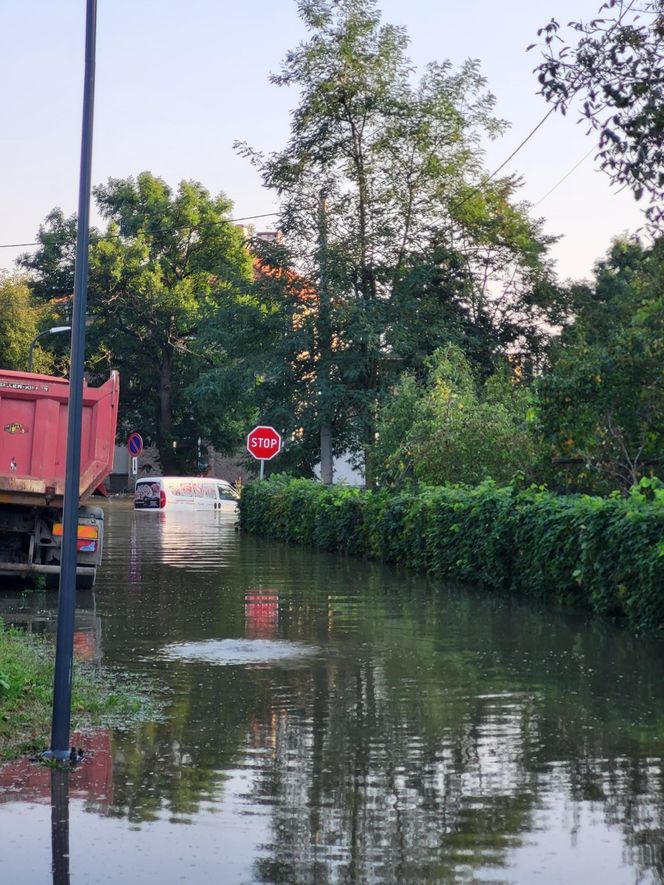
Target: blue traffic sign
(135,443)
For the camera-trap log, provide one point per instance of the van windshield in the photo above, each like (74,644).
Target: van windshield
(227,494)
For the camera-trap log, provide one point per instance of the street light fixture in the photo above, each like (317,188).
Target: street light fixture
(52,331)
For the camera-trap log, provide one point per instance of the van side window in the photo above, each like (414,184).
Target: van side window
(226,494)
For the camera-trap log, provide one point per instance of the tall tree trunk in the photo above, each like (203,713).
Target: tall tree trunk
(324,350)
(164,437)
(326,460)
(370,379)
(369,473)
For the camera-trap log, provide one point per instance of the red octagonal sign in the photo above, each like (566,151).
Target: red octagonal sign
(264,443)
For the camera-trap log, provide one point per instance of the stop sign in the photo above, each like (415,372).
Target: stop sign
(264,443)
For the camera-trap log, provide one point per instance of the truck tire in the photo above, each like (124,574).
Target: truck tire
(86,582)
(83,582)
(52,582)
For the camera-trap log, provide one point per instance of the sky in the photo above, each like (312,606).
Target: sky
(178,82)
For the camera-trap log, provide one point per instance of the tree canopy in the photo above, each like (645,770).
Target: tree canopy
(22,317)
(455,428)
(165,264)
(387,214)
(602,398)
(614,66)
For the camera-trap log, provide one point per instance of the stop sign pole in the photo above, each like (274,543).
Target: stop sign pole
(263,443)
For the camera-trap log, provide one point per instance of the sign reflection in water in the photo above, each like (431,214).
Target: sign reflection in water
(261,614)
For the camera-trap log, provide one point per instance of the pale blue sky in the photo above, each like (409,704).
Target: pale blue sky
(178,82)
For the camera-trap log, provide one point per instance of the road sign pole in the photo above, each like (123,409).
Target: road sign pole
(262,467)
(64,649)
(134,447)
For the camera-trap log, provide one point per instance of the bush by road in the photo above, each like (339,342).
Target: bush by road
(605,554)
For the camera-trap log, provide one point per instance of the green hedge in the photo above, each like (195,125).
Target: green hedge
(606,554)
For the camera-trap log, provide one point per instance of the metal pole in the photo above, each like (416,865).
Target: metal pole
(262,467)
(30,352)
(52,331)
(59,748)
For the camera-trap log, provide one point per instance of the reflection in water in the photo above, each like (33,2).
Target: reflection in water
(261,614)
(36,613)
(91,781)
(60,825)
(432,734)
(187,540)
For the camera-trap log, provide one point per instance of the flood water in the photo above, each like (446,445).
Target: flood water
(328,720)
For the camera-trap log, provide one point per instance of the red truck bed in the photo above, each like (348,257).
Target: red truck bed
(33,437)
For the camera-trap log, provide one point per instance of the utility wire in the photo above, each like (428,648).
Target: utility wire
(249,217)
(495,172)
(518,148)
(455,206)
(566,176)
(163,230)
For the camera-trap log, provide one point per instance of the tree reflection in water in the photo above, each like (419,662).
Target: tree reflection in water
(421,745)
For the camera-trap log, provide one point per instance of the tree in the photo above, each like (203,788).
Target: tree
(616,69)
(378,173)
(51,267)
(21,318)
(602,399)
(276,350)
(452,429)
(166,263)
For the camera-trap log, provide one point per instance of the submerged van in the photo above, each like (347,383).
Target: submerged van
(184,493)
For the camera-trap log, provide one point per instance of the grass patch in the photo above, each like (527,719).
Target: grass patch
(26,695)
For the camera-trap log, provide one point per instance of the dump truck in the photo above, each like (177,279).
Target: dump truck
(33,445)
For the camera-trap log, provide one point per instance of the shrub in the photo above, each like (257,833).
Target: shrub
(606,554)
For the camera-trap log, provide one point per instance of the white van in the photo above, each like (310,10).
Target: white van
(184,493)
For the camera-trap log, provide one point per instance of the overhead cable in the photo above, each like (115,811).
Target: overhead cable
(565,176)
(162,230)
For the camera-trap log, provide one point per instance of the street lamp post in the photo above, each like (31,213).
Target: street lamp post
(62,679)
(52,331)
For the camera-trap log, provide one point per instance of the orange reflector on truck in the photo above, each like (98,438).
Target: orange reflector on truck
(90,532)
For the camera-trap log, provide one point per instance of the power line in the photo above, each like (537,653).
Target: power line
(518,148)
(565,176)
(163,230)
(250,217)
(495,172)
(455,206)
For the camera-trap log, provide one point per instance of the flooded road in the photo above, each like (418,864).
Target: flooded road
(334,721)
